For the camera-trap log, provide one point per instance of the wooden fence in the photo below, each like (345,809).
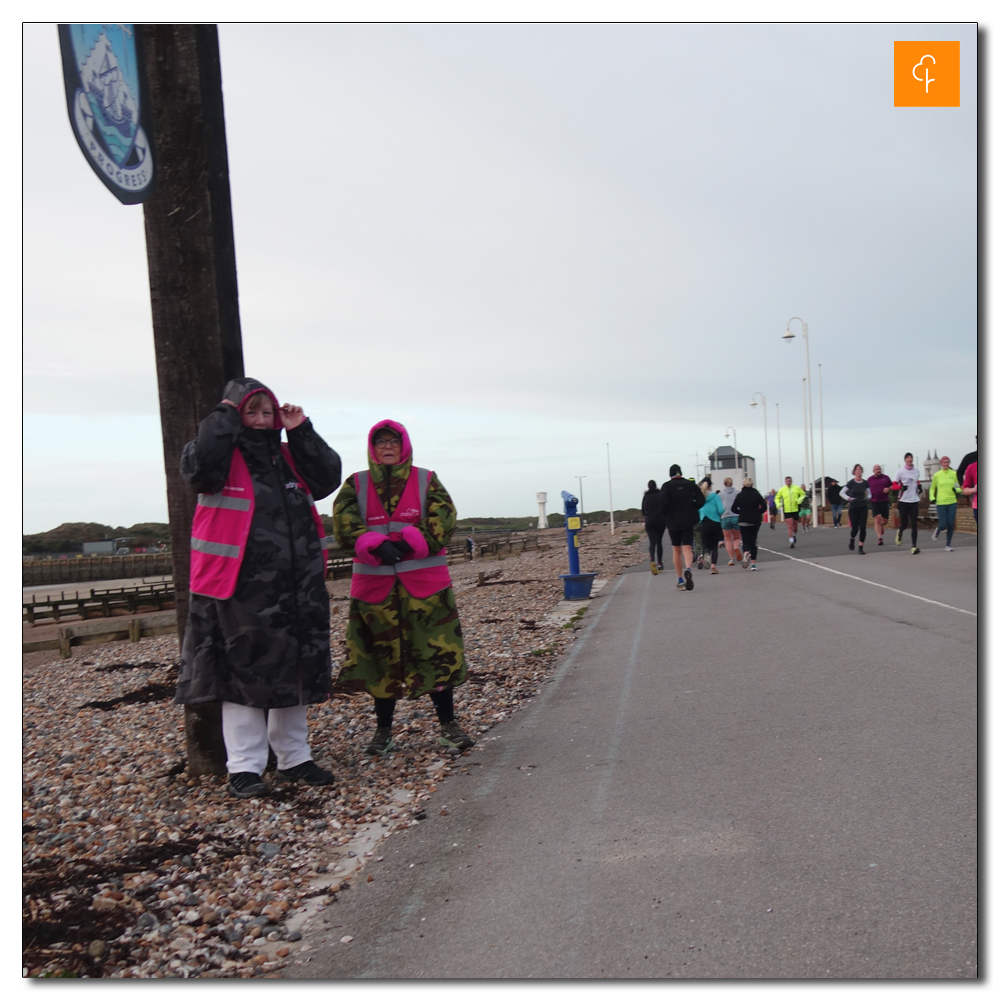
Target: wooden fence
(100,604)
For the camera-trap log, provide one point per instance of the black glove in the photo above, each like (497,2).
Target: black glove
(235,390)
(388,553)
(405,549)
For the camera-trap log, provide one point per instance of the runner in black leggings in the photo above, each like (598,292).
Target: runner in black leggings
(750,506)
(652,513)
(908,507)
(857,494)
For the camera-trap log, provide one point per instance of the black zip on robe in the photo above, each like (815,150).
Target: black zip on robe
(268,646)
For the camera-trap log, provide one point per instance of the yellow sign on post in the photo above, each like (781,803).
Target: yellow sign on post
(573,524)
(576,541)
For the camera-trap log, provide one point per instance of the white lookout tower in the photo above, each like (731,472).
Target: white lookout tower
(542,498)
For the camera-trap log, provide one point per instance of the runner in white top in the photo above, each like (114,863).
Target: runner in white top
(908,483)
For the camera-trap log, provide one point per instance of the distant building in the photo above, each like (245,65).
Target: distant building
(105,547)
(726,461)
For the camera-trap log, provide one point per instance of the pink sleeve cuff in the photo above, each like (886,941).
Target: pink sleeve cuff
(414,537)
(364,545)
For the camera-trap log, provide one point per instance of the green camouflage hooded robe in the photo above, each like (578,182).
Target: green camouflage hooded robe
(405,646)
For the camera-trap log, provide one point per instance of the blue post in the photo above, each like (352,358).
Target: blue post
(573,525)
(576,585)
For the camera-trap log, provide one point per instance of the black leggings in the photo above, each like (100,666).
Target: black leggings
(908,515)
(655,533)
(711,535)
(748,533)
(859,521)
(443,704)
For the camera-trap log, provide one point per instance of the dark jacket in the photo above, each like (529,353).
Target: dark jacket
(652,509)
(833,497)
(680,501)
(749,505)
(268,646)
(973,456)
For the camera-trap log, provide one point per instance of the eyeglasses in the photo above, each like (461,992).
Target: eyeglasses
(386,442)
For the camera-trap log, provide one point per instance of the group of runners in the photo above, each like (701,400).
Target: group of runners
(731,518)
(861,495)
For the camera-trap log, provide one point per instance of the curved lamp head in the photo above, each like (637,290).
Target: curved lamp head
(753,402)
(788,336)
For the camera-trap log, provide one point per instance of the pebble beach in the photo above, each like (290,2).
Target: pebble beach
(135,869)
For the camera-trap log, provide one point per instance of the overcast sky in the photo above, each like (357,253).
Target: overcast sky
(528,242)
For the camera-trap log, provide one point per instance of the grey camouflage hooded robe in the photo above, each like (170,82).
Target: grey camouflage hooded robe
(268,646)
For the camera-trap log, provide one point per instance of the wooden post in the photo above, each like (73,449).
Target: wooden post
(192,285)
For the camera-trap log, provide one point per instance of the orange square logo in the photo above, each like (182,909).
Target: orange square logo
(925,74)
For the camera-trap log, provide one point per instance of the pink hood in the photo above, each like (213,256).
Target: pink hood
(396,428)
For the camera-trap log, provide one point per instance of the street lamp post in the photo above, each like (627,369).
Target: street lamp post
(580,480)
(777,421)
(822,447)
(611,503)
(805,436)
(736,451)
(810,450)
(767,464)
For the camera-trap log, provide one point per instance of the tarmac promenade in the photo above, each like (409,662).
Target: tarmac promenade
(772,776)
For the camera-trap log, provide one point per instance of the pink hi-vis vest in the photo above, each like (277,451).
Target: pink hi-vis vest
(420,577)
(221,527)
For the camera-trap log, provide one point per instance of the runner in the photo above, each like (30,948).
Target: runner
(908,504)
(730,522)
(970,487)
(857,494)
(788,499)
(652,513)
(805,507)
(772,508)
(835,500)
(973,456)
(750,506)
(944,492)
(711,528)
(880,484)
(681,502)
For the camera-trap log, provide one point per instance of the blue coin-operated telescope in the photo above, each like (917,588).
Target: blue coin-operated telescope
(576,585)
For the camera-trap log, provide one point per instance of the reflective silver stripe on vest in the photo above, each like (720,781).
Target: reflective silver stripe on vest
(408,564)
(401,567)
(215,548)
(221,500)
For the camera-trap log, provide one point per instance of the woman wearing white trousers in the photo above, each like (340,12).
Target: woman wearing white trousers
(258,631)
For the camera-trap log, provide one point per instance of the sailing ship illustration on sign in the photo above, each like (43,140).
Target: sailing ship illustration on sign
(101,68)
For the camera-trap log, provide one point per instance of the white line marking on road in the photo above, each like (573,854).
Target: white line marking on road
(851,576)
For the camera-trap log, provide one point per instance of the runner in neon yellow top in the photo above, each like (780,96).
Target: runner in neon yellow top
(945,489)
(788,499)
